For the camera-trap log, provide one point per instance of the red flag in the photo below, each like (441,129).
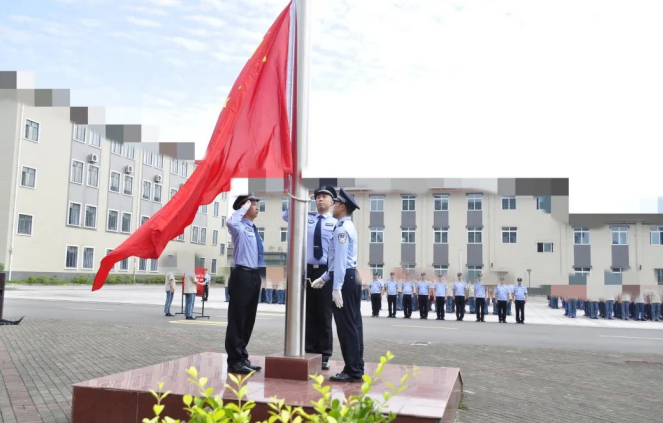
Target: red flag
(251,139)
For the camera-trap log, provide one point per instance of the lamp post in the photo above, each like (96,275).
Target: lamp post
(529,278)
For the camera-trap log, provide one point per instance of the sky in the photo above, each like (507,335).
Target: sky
(409,88)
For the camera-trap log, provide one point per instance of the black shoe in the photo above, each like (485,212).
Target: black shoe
(342,377)
(325,365)
(239,368)
(248,364)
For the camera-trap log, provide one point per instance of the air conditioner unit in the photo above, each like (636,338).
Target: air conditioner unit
(157,178)
(128,169)
(92,158)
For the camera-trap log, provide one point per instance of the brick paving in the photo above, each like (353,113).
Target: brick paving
(41,359)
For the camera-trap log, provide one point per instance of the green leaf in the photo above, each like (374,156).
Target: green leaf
(193,372)
(367,378)
(158,409)
(203,381)
(188,399)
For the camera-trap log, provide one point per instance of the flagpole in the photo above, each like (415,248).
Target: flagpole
(296,284)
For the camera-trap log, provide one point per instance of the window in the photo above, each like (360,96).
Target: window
(112,220)
(407,236)
(377,236)
(261,205)
(142,264)
(473,273)
(95,141)
(88,258)
(213,269)
(31,130)
(128,185)
(509,235)
(619,235)
(77,172)
(108,251)
(114,182)
(474,236)
(147,158)
(408,268)
(284,234)
(24,224)
(216,209)
(440,236)
(475,202)
(184,169)
(74,216)
(224,196)
(377,268)
(157,193)
(202,262)
(617,270)
(147,190)
(28,177)
(71,261)
(215,237)
(544,247)
(144,219)
(508,203)
(174,166)
(203,235)
(194,234)
(222,249)
(180,237)
(93,176)
(154,265)
(377,203)
(116,147)
(408,202)
(581,236)
(312,207)
(130,152)
(285,203)
(79,132)
(126,223)
(173,191)
(659,276)
(124,264)
(440,270)
(441,202)
(656,236)
(223,221)
(202,209)
(582,271)
(90,216)
(159,161)
(539,202)
(261,232)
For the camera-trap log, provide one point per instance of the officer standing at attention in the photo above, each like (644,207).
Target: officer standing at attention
(408,288)
(423,289)
(319,337)
(460,290)
(376,294)
(502,294)
(346,292)
(520,295)
(244,281)
(440,296)
(392,294)
(480,298)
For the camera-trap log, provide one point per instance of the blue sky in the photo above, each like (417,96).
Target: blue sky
(464,88)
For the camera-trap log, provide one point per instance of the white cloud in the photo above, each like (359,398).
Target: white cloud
(208,20)
(165,3)
(188,43)
(147,23)
(90,23)
(176,62)
(151,11)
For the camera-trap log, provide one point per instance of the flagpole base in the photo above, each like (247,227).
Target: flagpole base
(280,366)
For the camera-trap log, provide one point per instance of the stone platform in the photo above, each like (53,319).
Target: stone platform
(432,395)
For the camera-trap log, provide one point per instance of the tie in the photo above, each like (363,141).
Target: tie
(317,240)
(259,242)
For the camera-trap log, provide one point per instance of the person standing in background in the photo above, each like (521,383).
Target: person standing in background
(170,292)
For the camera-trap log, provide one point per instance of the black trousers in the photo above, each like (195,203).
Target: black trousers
(319,334)
(481,308)
(407,305)
(206,293)
(391,302)
(460,307)
(242,308)
(520,311)
(349,327)
(501,310)
(376,299)
(440,304)
(423,305)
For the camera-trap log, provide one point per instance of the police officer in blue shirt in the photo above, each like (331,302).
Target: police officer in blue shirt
(480,296)
(392,294)
(520,296)
(408,289)
(376,294)
(319,333)
(346,292)
(502,294)
(245,281)
(440,296)
(460,293)
(423,291)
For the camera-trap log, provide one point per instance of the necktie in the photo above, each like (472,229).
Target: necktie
(317,240)
(259,242)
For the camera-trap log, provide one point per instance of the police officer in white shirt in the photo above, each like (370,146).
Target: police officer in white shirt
(376,294)
(392,294)
(520,295)
(460,291)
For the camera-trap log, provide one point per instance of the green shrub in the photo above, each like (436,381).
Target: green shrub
(81,280)
(2,267)
(219,279)
(207,408)
(42,280)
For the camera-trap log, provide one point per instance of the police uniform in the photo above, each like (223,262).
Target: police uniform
(245,281)
(347,287)
(440,296)
(408,289)
(460,288)
(376,296)
(480,299)
(319,337)
(423,291)
(502,295)
(392,295)
(520,295)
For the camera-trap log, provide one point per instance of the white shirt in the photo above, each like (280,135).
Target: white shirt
(190,282)
(170,281)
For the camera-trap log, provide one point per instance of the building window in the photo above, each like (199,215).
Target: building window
(112,220)
(377,268)
(222,249)
(126,223)
(440,270)
(619,235)
(223,221)
(656,236)
(180,237)
(215,237)
(154,265)
(79,132)
(203,209)
(95,139)
(544,247)
(114,182)
(74,217)
(147,158)
(312,207)
(174,166)
(377,236)
(508,203)
(130,152)
(216,209)
(203,235)
(108,251)
(284,203)
(173,191)
(159,161)
(581,271)
(408,236)
(157,193)
(409,268)
(147,190)
(116,147)
(509,235)
(475,202)
(71,262)
(124,264)
(144,219)
(440,236)
(142,264)
(88,258)
(77,172)
(31,130)
(261,232)
(261,205)
(224,196)
(202,262)
(617,270)
(284,234)
(213,269)
(377,203)
(408,202)
(90,217)
(441,202)
(194,234)
(28,177)
(474,236)
(184,169)
(473,273)
(581,236)
(93,176)
(128,185)
(659,276)
(24,224)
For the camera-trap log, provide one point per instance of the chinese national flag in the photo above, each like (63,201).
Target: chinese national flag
(251,139)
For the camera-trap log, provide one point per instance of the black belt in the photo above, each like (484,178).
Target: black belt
(316,266)
(247,269)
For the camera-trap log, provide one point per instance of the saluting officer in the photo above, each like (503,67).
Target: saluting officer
(480,298)
(460,290)
(502,294)
(346,289)
(423,289)
(520,295)
(392,294)
(440,295)
(376,294)
(244,283)
(319,334)
(408,288)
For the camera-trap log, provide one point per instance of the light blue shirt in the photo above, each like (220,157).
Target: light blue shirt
(327,231)
(342,252)
(440,289)
(520,291)
(207,278)
(459,288)
(479,290)
(376,287)
(502,292)
(408,287)
(423,287)
(245,241)
(392,287)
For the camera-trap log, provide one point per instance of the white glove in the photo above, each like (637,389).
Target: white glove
(318,283)
(337,298)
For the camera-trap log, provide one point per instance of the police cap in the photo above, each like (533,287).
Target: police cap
(347,199)
(325,189)
(239,202)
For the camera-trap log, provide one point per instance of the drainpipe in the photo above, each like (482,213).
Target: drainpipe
(18,178)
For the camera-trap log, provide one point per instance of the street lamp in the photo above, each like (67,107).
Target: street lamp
(529,278)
